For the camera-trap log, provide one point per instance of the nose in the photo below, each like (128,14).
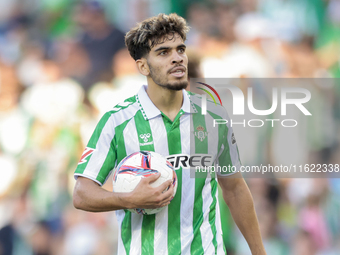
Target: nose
(177,58)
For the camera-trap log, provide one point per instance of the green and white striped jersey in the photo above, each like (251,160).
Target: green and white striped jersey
(190,224)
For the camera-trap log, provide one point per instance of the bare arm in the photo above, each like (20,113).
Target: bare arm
(240,202)
(89,196)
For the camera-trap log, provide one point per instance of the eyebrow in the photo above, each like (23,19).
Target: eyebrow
(167,48)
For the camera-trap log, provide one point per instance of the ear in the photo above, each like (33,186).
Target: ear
(143,66)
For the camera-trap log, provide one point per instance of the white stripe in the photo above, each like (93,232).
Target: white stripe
(220,111)
(159,136)
(131,146)
(206,232)
(104,142)
(88,177)
(232,147)
(212,136)
(102,148)
(188,185)
(160,139)
(161,232)
(136,234)
(123,104)
(220,250)
(131,137)
(205,229)
(120,214)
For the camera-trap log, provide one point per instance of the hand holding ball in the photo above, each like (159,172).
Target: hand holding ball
(133,168)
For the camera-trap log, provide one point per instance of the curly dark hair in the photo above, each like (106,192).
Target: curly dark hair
(152,31)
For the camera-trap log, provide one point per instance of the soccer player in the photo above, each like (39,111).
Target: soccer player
(164,118)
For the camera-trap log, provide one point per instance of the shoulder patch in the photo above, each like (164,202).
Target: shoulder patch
(87,152)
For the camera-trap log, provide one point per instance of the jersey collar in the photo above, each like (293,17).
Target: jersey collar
(149,110)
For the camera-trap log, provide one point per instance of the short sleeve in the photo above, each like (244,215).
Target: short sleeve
(228,160)
(99,157)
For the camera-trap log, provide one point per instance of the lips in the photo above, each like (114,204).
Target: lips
(178,71)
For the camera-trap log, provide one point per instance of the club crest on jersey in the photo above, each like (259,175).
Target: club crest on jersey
(87,152)
(200,133)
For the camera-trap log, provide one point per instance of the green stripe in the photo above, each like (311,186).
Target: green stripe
(200,147)
(114,154)
(119,142)
(148,224)
(108,165)
(95,137)
(213,182)
(222,131)
(143,128)
(131,99)
(174,223)
(148,233)
(119,107)
(225,158)
(126,234)
(212,211)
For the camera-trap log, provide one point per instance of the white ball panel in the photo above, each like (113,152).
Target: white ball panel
(128,182)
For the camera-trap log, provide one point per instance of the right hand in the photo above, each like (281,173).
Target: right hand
(147,197)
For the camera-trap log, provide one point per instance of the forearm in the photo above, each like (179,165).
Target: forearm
(89,196)
(242,209)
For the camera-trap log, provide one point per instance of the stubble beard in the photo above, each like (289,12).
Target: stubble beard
(176,86)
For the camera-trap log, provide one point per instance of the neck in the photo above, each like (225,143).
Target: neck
(167,101)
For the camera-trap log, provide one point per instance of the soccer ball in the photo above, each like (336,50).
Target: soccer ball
(139,165)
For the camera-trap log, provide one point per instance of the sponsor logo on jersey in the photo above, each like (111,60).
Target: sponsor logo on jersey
(87,153)
(200,134)
(145,138)
(187,161)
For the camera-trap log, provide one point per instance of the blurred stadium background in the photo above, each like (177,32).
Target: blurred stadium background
(63,63)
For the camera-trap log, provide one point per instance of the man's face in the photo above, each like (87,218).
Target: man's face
(168,63)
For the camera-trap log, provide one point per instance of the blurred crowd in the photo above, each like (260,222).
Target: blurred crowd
(64,63)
